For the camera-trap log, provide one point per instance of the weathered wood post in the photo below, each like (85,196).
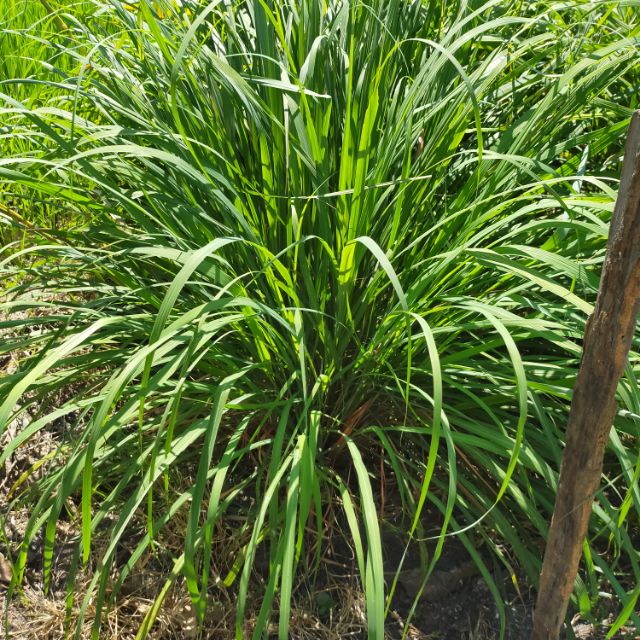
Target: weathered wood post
(607,341)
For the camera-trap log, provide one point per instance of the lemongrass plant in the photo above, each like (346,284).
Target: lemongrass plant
(319,235)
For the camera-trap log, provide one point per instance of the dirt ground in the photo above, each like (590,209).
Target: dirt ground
(456,604)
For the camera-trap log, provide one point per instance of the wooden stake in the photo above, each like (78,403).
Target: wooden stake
(607,340)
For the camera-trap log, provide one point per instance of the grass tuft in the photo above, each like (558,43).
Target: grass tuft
(318,258)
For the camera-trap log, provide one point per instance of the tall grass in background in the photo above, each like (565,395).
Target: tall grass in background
(329,252)
(35,49)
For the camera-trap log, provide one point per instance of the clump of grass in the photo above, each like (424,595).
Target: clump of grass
(331,252)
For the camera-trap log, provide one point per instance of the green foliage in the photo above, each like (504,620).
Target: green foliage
(314,234)
(37,57)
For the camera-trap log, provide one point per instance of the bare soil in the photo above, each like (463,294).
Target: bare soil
(456,603)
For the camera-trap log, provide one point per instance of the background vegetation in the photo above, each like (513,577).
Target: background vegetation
(312,271)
